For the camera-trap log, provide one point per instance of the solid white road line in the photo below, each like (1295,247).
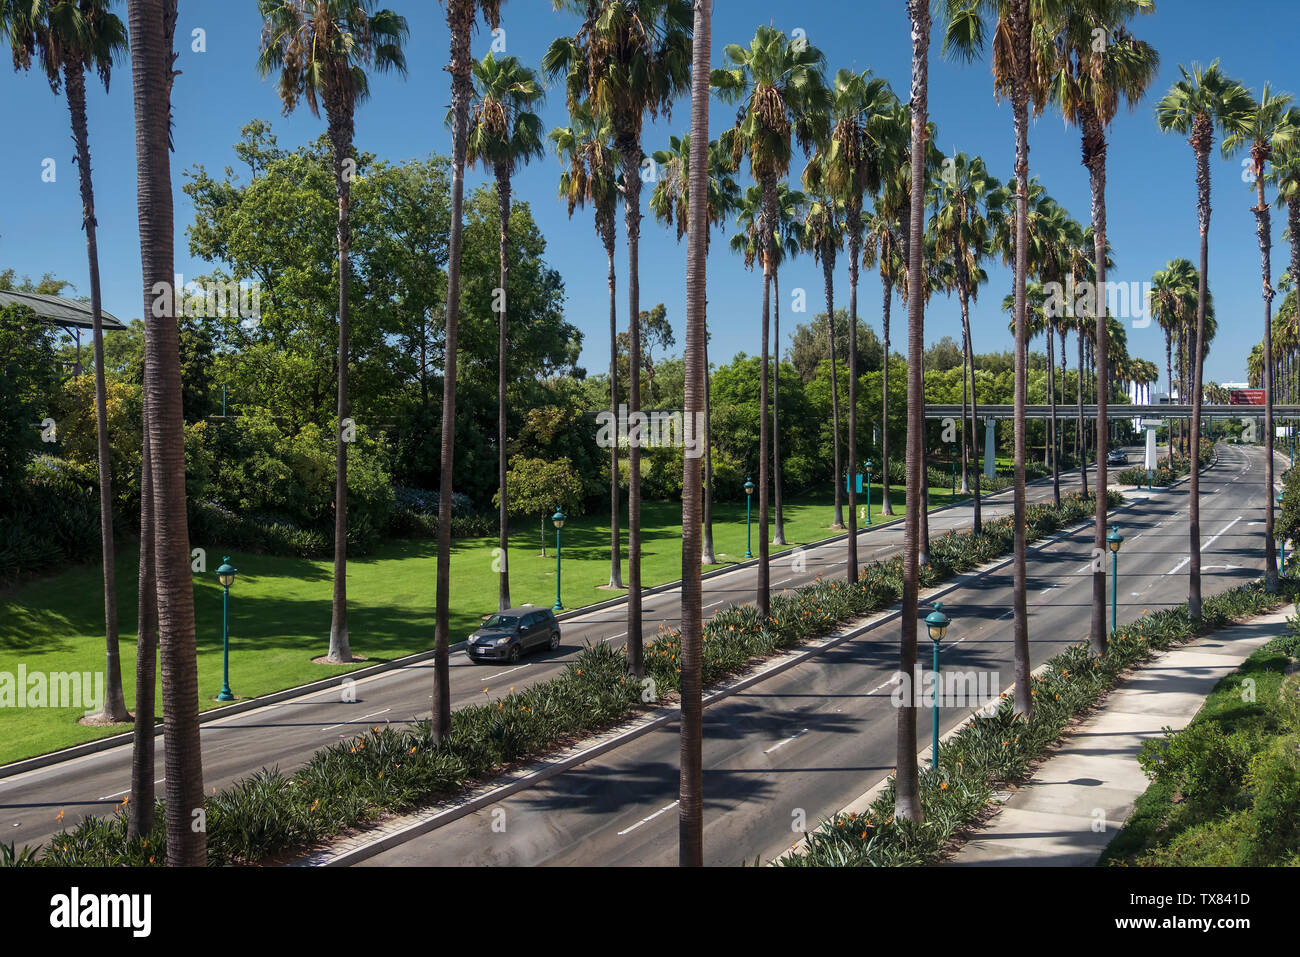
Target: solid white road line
(1177,568)
(362,718)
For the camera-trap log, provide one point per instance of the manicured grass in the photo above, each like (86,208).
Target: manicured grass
(280,607)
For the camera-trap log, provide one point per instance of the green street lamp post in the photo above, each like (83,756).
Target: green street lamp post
(225,575)
(937,624)
(869,466)
(749,502)
(1114,540)
(953,453)
(1282,537)
(558,518)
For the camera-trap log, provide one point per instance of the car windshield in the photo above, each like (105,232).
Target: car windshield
(501,621)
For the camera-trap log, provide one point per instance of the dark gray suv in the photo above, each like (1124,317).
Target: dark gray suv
(509,634)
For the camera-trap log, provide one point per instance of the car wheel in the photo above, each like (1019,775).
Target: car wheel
(514,654)
(555,640)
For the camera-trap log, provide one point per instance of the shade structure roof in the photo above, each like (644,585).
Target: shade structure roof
(68,313)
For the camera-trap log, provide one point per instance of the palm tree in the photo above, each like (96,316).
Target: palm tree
(669,201)
(152,25)
(1271,125)
(1198,103)
(883,247)
(321,50)
(786,241)
(1173,303)
(847,166)
(503,135)
(700,213)
(1017,72)
(585,146)
(907,800)
(964,198)
(1098,64)
(1286,177)
(784,100)
(70,38)
(629,58)
(823,236)
(461,15)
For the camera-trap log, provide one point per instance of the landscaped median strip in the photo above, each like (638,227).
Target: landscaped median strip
(993,749)
(269,815)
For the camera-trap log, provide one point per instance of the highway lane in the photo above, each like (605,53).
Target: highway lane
(288,733)
(804,743)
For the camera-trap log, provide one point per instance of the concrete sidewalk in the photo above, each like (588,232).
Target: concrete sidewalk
(1081,796)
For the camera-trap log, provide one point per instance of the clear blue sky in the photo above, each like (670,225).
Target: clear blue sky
(1151,188)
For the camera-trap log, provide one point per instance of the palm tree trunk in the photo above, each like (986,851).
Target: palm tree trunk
(1263,226)
(460,21)
(140,809)
(1081,438)
(965,419)
(854,224)
(764,432)
(1061,333)
(1052,428)
(779,537)
(828,276)
(114,701)
(615,545)
(886,507)
(341,141)
(152,29)
(977,519)
(924,556)
(690,845)
(1095,150)
(1020,572)
(707,556)
(907,801)
(503,211)
(631,156)
(1194,482)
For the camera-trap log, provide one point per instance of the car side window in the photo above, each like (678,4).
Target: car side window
(529,621)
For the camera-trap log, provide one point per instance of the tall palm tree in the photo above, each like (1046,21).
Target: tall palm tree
(847,166)
(70,38)
(321,50)
(963,199)
(882,247)
(585,146)
(1017,73)
(907,800)
(823,236)
(669,201)
(690,845)
(504,134)
(628,59)
(1286,177)
(783,100)
(786,242)
(152,25)
(1195,106)
(1271,125)
(461,15)
(1173,306)
(1099,64)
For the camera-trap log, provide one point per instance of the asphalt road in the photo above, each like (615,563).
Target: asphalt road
(288,733)
(807,742)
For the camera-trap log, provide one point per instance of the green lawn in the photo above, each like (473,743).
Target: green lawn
(280,607)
